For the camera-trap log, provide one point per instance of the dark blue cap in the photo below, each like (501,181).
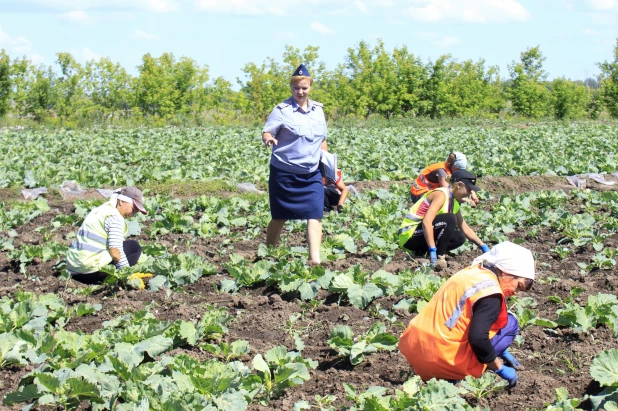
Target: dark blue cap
(301,71)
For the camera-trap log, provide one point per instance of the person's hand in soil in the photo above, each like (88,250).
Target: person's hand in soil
(510,360)
(509,374)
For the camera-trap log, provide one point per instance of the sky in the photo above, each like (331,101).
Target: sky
(573,35)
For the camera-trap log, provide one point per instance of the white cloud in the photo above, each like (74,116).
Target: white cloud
(321,28)
(37,59)
(605,19)
(160,6)
(85,54)
(19,46)
(567,4)
(246,7)
(78,16)
(362,7)
(590,32)
(443,42)
(14,44)
(446,42)
(285,35)
(142,35)
(426,35)
(603,4)
(472,11)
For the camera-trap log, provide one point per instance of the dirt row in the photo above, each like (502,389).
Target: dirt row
(552,358)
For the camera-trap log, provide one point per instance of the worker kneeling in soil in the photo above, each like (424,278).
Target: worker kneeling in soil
(435,224)
(465,328)
(436,175)
(101,238)
(335,193)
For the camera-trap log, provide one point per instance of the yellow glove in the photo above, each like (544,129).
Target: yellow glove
(136,281)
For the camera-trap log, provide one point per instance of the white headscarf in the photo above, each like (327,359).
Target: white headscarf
(461,162)
(510,258)
(113,199)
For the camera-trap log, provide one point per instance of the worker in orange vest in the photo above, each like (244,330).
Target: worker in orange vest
(436,175)
(465,329)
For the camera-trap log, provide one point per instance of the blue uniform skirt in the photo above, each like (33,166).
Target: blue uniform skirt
(295,196)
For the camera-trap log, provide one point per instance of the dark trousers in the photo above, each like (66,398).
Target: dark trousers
(132,250)
(504,338)
(331,199)
(445,234)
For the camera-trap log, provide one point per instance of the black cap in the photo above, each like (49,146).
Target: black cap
(465,177)
(301,71)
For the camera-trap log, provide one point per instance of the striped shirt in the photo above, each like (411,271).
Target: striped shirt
(114,227)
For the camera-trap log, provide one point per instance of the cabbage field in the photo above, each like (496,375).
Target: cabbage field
(226,323)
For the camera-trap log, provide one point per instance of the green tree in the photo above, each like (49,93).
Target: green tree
(110,89)
(19,72)
(411,83)
(438,92)
(609,83)
(5,83)
(569,99)
(41,93)
(476,91)
(69,85)
(373,80)
(267,85)
(528,94)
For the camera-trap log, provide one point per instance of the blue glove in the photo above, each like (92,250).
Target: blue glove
(484,248)
(508,374)
(510,360)
(433,255)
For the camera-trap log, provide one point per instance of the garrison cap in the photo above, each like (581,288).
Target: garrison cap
(301,71)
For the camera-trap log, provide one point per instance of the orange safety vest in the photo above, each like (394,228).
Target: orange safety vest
(436,340)
(422,184)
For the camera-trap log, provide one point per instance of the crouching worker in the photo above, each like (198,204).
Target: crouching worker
(436,176)
(465,328)
(101,238)
(435,224)
(335,193)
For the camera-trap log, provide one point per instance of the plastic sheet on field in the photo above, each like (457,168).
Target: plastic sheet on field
(352,189)
(71,189)
(34,193)
(579,180)
(599,178)
(248,188)
(105,192)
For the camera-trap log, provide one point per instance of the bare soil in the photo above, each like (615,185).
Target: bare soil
(552,358)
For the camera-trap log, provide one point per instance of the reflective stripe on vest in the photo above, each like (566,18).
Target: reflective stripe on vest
(92,236)
(83,246)
(412,219)
(452,320)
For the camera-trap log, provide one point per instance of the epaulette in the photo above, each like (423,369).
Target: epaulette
(283,105)
(317,103)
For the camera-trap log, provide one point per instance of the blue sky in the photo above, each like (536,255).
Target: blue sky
(573,35)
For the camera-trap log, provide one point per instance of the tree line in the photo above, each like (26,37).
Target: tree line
(370,82)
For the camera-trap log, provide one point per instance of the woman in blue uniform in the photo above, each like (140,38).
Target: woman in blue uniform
(296,130)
